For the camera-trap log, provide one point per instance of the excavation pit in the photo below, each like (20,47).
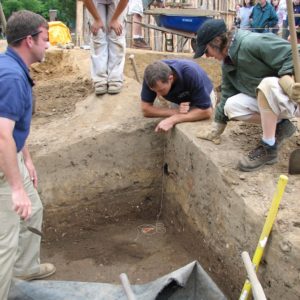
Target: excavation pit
(104,173)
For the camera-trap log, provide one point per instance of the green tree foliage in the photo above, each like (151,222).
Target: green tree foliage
(9,6)
(66,9)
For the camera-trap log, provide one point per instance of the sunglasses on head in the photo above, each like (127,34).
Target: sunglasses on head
(25,36)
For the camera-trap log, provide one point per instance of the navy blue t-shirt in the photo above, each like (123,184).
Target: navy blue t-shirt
(191,85)
(16,95)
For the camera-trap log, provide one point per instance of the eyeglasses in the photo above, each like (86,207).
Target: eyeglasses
(25,36)
(206,50)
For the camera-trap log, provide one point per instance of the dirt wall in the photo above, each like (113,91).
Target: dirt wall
(224,211)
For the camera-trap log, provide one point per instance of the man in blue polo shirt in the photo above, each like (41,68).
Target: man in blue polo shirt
(20,205)
(182,82)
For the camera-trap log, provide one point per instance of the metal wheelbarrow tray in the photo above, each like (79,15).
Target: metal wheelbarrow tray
(188,20)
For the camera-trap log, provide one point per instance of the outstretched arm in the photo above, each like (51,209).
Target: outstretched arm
(174,115)
(114,24)
(273,19)
(9,166)
(151,111)
(195,114)
(98,24)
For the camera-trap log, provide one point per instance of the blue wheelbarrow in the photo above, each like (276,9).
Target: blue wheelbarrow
(183,22)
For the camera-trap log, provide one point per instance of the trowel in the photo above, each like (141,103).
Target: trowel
(294,161)
(35,231)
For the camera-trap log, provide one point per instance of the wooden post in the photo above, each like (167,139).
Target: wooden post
(147,35)
(79,23)
(293,36)
(131,31)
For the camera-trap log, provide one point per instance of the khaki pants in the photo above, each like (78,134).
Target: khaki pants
(107,48)
(19,248)
(244,105)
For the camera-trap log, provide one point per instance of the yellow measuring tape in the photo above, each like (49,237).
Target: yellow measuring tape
(246,291)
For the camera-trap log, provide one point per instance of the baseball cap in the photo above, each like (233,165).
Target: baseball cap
(207,32)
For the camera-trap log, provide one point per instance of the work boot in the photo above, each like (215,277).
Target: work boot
(140,43)
(45,271)
(262,155)
(146,46)
(284,130)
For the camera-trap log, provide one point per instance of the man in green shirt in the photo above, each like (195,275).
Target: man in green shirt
(257,86)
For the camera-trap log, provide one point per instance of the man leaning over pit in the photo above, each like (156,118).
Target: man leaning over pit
(183,83)
(20,205)
(257,86)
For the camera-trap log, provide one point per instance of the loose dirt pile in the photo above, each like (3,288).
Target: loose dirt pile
(60,84)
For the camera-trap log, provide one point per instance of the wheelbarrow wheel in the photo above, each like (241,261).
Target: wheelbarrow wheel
(194,44)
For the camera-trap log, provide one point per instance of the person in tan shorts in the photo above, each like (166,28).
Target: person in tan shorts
(257,86)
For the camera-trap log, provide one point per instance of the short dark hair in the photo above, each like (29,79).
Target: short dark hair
(157,71)
(207,32)
(251,3)
(21,24)
(222,41)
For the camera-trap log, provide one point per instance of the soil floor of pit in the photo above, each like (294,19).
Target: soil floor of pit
(102,253)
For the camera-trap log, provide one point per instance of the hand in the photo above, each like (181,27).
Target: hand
(184,107)
(21,203)
(164,125)
(116,26)
(290,87)
(213,134)
(32,172)
(96,26)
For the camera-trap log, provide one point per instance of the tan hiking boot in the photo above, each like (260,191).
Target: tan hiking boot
(46,270)
(262,155)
